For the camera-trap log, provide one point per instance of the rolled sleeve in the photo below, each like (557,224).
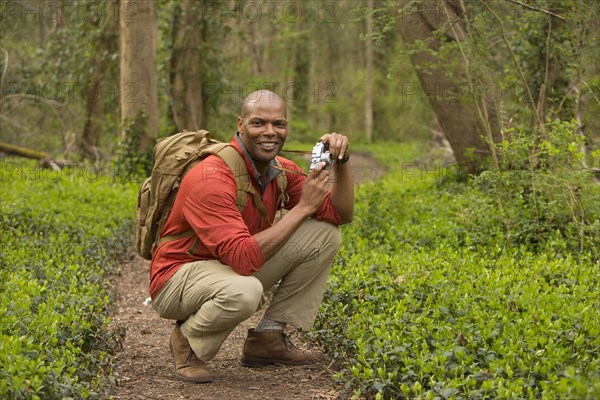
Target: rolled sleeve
(327,212)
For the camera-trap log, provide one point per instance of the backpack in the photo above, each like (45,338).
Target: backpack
(172,157)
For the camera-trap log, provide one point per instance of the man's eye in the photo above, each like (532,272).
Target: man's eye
(256,123)
(280,124)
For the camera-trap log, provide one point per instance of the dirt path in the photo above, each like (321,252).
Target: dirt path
(144,367)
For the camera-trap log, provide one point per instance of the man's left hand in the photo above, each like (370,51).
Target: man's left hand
(338,145)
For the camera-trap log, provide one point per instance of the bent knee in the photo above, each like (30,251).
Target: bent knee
(335,234)
(243,296)
(329,235)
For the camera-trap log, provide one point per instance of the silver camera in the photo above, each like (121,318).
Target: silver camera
(320,153)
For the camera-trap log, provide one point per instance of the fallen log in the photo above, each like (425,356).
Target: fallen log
(44,159)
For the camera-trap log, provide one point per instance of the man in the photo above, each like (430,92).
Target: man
(215,279)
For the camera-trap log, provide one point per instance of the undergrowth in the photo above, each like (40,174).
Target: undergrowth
(482,287)
(61,234)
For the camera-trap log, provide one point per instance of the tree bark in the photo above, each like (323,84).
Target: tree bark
(138,77)
(95,91)
(186,67)
(369,77)
(454,101)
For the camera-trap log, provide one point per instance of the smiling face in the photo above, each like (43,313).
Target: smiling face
(263,128)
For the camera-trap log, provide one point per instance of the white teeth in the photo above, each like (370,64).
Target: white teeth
(268,145)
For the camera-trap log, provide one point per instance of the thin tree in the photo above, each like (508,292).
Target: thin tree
(369,77)
(138,79)
(186,66)
(96,90)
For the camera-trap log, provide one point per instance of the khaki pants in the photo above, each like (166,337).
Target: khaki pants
(213,299)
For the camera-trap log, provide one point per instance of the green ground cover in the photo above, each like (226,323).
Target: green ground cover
(430,299)
(61,233)
(438,292)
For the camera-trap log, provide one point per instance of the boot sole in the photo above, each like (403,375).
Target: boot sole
(185,378)
(253,362)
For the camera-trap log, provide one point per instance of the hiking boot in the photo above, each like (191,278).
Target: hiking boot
(273,347)
(188,367)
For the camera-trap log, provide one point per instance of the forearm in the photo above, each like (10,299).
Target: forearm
(342,191)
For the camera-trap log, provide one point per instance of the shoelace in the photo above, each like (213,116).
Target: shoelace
(288,341)
(190,357)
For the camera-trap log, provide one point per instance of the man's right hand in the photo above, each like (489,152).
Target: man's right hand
(314,190)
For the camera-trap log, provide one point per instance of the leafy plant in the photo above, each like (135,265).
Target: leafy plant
(61,236)
(430,298)
(542,188)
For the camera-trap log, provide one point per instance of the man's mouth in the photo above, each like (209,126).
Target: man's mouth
(268,145)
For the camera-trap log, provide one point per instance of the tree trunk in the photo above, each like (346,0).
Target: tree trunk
(369,77)
(464,111)
(42,32)
(138,80)
(256,47)
(556,83)
(288,82)
(96,90)
(186,67)
(298,91)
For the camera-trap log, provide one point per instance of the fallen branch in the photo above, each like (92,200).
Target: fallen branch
(44,159)
(537,9)
(23,151)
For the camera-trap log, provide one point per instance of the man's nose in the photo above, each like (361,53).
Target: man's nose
(270,129)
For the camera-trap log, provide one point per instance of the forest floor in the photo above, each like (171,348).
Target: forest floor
(144,367)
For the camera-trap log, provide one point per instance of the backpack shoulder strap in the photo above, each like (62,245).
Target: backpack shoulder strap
(236,164)
(283,197)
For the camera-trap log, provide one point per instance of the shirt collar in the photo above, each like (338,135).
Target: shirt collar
(262,180)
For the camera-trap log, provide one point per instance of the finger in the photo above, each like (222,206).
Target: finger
(322,175)
(329,138)
(317,176)
(338,146)
(343,148)
(325,138)
(324,179)
(315,172)
(334,145)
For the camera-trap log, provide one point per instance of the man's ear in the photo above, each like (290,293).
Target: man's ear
(240,124)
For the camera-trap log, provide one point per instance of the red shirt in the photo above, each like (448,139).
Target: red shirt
(206,203)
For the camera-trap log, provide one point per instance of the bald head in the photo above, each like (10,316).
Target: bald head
(263,97)
(262,127)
